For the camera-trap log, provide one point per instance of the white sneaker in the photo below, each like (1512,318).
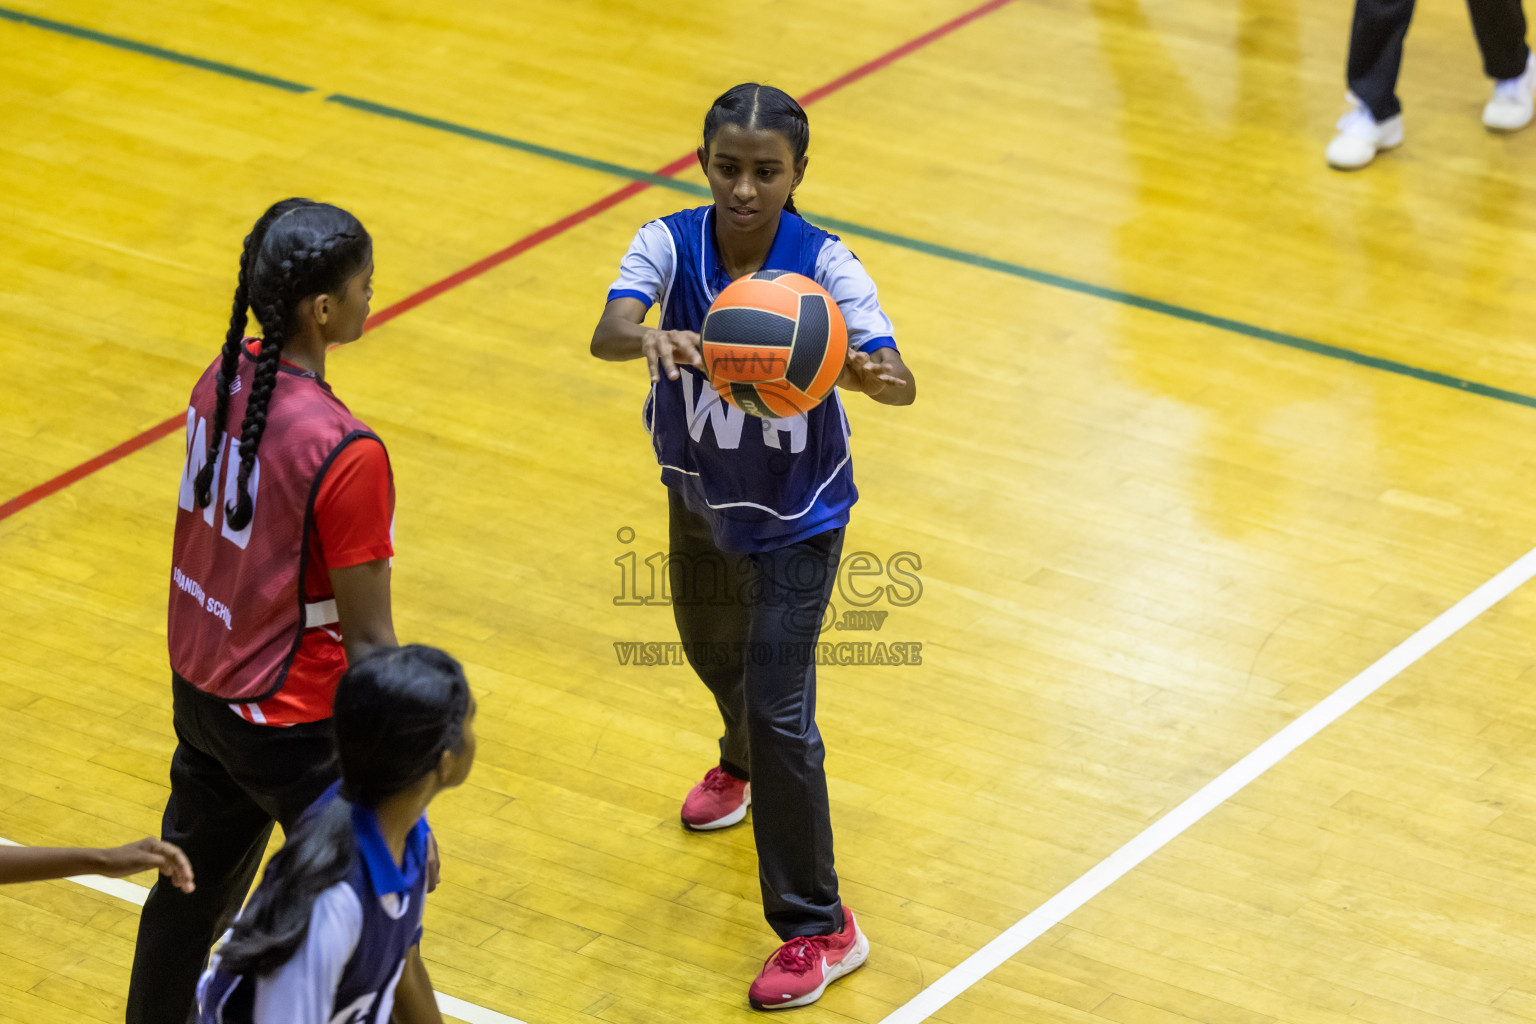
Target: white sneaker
(1361,137)
(1511,107)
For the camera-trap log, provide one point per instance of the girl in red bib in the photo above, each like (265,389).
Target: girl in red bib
(279,578)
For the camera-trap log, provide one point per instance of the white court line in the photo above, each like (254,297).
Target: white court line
(137,894)
(1309,724)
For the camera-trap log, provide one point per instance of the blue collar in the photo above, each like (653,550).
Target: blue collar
(783,253)
(383,873)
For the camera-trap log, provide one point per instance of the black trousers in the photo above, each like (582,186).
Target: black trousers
(749,625)
(230,780)
(1376,46)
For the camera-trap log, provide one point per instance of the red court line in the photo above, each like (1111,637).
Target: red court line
(864,70)
(90,466)
(496,259)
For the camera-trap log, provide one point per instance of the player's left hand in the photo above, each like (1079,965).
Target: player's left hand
(861,373)
(434,863)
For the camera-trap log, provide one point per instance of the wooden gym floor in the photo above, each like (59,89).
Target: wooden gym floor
(1205,429)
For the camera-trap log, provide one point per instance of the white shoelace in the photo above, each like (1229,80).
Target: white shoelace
(1358,122)
(1511,88)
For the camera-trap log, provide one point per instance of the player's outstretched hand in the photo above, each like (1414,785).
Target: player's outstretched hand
(665,349)
(145,854)
(434,863)
(861,373)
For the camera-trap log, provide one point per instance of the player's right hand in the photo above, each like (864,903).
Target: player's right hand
(665,349)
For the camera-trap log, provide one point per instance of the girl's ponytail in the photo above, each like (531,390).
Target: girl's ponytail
(396,713)
(275,923)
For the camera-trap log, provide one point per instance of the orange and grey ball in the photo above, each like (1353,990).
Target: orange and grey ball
(774,344)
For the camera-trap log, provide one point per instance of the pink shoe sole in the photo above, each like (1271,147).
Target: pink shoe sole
(847,965)
(726,822)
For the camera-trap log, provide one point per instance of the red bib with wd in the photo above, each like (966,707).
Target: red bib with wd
(237,609)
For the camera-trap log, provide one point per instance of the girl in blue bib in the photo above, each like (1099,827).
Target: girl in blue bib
(757,511)
(331,934)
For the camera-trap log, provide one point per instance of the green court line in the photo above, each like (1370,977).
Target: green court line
(146,49)
(507,141)
(960,256)
(846,227)
(1181,312)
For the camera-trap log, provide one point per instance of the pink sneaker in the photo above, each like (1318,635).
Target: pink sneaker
(719,801)
(803,968)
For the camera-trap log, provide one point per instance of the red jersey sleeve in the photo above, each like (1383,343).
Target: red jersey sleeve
(355,507)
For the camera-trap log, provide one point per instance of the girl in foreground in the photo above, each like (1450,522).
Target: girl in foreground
(757,508)
(332,931)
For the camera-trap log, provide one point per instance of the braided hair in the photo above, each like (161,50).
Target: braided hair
(754,107)
(397,711)
(297,249)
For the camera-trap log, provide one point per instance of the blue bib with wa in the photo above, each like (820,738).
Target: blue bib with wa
(391,897)
(760,483)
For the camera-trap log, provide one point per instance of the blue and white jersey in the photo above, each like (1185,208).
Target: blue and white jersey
(760,483)
(360,931)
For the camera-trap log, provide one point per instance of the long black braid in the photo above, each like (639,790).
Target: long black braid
(298,248)
(229,366)
(238,512)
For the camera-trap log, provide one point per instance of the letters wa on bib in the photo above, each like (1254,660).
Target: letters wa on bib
(759,483)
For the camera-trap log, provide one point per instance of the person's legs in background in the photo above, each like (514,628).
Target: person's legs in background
(1375,57)
(1500,29)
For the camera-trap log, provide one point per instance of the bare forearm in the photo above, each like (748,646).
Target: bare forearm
(618,338)
(360,648)
(897,394)
(883,376)
(34,863)
(363,608)
(414,1000)
(372,633)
